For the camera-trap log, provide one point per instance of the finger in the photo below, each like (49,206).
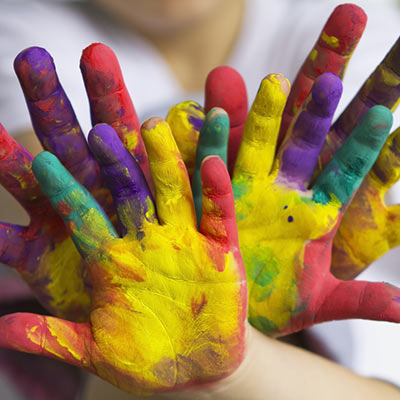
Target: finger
(213,140)
(347,169)
(16,174)
(257,150)
(52,115)
(85,220)
(48,336)
(331,53)
(174,201)
(382,88)
(12,245)
(185,120)
(225,88)
(109,100)
(125,179)
(299,153)
(386,170)
(218,214)
(358,299)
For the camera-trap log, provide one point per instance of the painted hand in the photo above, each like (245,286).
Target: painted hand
(168,302)
(42,252)
(286,230)
(369,227)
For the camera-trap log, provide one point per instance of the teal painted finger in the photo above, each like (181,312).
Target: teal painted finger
(213,141)
(344,173)
(87,223)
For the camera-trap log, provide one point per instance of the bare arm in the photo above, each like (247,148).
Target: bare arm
(273,370)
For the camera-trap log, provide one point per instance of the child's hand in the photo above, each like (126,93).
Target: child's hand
(168,303)
(286,230)
(43,252)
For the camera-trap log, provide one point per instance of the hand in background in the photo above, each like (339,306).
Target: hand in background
(168,302)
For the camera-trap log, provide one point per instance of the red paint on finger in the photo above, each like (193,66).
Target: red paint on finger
(225,88)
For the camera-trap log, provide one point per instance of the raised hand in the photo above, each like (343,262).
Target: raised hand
(369,227)
(285,229)
(168,303)
(43,252)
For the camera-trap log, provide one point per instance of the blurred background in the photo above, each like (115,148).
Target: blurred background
(166,49)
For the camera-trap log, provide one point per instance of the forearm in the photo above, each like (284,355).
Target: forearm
(273,371)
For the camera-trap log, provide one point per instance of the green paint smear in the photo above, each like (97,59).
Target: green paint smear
(262,269)
(240,189)
(263,324)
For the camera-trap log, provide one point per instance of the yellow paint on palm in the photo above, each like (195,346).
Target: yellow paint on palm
(280,224)
(148,323)
(66,274)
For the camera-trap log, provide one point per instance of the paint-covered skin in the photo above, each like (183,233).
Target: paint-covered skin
(224,89)
(354,248)
(42,252)
(46,257)
(169,304)
(285,228)
(331,53)
(110,101)
(185,120)
(213,140)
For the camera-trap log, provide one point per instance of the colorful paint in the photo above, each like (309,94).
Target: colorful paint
(185,120)
(110,101)
(169,307)
(225,88)
(355,248)
(42,252)
(331,53)
(285,228)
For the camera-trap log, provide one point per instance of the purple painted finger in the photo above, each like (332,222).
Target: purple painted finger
(125,179)
(381,88)
(299,153)
(52,115)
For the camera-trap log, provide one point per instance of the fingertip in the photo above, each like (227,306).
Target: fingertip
(154,123)
(105,144)
(214,176)
(182,114)
(225,88)
(35,70)
(158,139)
(98,61)
(377,122)
(272,95)
(326,93)
(344,28)
(42,166)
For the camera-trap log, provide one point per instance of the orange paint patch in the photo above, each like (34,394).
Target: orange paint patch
(197,306)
